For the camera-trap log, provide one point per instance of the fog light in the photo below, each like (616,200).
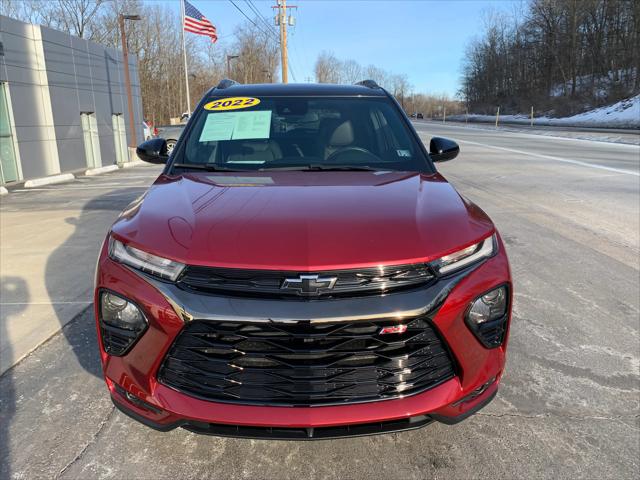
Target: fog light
(487,317)
(121,323)
(489,306)
(118,312)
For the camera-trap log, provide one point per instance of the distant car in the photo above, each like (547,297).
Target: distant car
(419,115)
(171,134)
(413,115)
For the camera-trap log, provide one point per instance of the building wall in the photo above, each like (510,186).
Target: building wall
(52,78)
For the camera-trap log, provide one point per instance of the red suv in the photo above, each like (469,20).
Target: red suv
(301,270)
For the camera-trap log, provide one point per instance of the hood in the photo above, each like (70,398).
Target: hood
(302,220)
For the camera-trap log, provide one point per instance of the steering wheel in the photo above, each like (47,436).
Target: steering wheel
(344,150)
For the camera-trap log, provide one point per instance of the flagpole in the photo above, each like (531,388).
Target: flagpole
(184,52)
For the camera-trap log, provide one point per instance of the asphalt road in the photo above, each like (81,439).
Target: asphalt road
(620,135)
(569,211)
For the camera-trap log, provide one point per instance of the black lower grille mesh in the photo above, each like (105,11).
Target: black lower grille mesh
(318,433)
(491,334)
(303,363)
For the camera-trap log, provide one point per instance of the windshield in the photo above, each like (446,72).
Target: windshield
(300,133)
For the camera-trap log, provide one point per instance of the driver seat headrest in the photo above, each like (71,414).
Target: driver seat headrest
(342,135)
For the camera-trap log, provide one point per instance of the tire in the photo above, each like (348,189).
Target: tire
(170,145)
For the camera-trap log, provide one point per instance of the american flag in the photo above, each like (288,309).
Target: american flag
(195,22)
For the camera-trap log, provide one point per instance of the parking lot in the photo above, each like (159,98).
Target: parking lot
(569,405)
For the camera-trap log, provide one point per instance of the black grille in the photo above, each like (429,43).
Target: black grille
(117,341)
(491,334)
(304,363)
(270,283)
(317,433)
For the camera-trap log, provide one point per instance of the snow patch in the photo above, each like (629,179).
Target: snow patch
(623,114)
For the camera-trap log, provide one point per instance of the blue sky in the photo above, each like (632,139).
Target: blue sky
(424,39)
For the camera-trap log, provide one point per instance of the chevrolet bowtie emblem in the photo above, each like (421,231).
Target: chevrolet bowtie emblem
(309,284)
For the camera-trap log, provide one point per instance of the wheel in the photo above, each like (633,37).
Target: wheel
(170,145)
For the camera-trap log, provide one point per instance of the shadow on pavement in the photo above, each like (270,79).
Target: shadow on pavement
(80,252)
(14,287)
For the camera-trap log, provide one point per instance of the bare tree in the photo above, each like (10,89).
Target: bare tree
(561,55)
(76,16)
(351,71)
(327,68)
(258,55)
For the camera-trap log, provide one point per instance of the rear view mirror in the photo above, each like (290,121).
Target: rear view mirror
(443,149)
(153,151)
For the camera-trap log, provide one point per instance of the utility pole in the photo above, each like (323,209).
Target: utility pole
(127,77)
(283,19)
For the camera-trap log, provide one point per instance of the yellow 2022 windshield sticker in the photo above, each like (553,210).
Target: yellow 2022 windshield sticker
(232,103)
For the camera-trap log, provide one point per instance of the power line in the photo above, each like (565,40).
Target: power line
(294,50)
(293,74)
(247,17)
(253,7)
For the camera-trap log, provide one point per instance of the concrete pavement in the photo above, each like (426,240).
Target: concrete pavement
(50,238)
(569,212)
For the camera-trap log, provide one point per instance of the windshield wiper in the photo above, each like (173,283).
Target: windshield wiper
(205,166)
(324,168)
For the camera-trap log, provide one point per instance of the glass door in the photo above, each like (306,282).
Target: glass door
(91,140)
(8,166)
(120,139)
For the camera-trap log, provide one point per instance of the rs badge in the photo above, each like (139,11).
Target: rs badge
(393,329)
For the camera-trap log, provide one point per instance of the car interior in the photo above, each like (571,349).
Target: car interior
(308,131)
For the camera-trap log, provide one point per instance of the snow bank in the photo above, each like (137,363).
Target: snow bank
(621,114)
(624,114)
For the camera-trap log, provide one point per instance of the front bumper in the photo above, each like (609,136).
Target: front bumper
(132,379)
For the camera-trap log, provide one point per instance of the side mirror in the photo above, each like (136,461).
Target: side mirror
(443,149)
(153,151)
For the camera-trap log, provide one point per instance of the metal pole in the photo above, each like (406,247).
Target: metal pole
(229,58)
(184,52)
(127,78)
(497,116)
(532,115)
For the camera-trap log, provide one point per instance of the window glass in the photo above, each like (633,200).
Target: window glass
(281,132)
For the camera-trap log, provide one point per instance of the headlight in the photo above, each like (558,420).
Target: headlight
(466,256)
(146,262)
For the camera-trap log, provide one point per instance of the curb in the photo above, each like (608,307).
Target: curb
(133,163)
(99,170)
(3,191)
(39,182)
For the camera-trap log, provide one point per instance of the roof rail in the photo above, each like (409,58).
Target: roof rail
(368,83)
(226,83)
